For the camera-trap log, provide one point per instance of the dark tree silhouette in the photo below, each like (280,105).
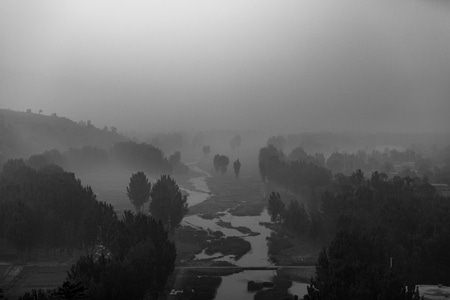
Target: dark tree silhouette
(70,290)
(221,163)
(49,208)
(140,156)
(168,204)
(237,167)
(142,258)
(276,207)
(138,190)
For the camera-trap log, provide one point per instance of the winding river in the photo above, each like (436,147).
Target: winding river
(235,286)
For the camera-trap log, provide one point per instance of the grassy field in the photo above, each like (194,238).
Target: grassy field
(242,197)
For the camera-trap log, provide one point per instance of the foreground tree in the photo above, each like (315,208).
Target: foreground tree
(355,266)
(138,190)
(142,258)
(48,208)
(168,205)
(237,167)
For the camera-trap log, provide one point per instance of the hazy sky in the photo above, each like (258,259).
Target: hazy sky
(300,65)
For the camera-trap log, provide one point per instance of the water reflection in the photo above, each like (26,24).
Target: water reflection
(235,286)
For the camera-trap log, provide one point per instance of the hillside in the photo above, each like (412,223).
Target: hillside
(25,133)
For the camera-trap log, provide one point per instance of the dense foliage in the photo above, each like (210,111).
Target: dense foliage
(221,163)
(295,175)
(275,207)
(168,204)
(372,221)
(138,190)
(141,157)
(298,154)
(48,207)
(294,217)
(140,261)
(130,155)
(85,158)
(135,263)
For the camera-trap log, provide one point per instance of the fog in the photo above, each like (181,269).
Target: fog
(286,66)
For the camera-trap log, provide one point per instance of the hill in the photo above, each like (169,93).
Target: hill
(25,133)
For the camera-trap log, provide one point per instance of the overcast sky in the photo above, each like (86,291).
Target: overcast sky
(301,65)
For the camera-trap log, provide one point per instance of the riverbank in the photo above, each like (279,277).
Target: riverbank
(240,197)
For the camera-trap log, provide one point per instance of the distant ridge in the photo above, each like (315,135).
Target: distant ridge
(25,133)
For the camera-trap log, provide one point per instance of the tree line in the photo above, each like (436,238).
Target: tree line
(386,236)
(48,207)
(134,261)
(129,155)
(294,175)
(130,257)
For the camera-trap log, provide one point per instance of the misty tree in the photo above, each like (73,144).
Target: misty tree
(206,150)
(237,167)
(276,207)
(175,158)
(296,218)
(221,163)
(266,154)
(168,204)
(48,208)
(138,190)
(235,142)
(278,142)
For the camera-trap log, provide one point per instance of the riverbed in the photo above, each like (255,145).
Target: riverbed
(235,286)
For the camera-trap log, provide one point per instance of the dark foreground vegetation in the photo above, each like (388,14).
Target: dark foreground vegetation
(384,233)
(126,155)
(377,220)
(48,208)
(128,258)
